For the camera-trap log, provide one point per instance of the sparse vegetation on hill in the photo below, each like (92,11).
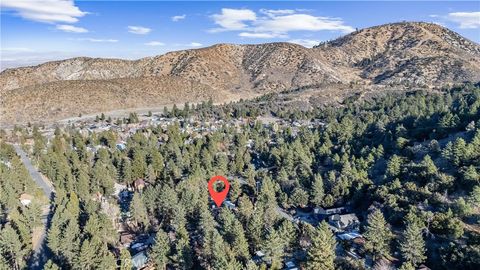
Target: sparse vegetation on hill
(392,56)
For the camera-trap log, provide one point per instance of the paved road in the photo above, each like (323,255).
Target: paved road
(40,250)
(36,176)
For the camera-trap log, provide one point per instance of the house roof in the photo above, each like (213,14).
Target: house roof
(25,196)
(349,236)
(139,182)
(140,259)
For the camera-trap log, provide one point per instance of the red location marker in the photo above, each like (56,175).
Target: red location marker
(218,197)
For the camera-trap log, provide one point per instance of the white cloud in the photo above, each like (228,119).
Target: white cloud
(309,43)
(139,30)
(71,28)
(233,19)
(467,20)
(195,44)
(16,49)
(154,43)
(178,17)
(98,40)
(48,11)
(273,12)
(261,35)
(301,22)
(274,23)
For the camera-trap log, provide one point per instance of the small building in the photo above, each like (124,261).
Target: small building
(139,184)
(139,260)
(423,267)
(126,239)
(121,146)
(349,236)
(25,199)
(343,222)
(328,211)
(290,265)
(230,205)
(259,257)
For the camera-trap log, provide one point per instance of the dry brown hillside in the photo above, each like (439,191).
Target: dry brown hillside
(393,55)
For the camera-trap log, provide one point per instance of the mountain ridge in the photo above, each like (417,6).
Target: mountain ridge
(406,54)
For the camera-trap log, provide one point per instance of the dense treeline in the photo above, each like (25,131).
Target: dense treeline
(408,164)
(17,221)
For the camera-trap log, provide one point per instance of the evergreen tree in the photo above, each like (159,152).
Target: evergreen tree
(160,250)
(322,252)
(378,235)
(317,191)
(50,265)
(125,260)
(138,210)
(274,249)
(412,245)
(11,248)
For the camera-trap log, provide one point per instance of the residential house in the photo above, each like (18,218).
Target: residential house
(230,205)
(26,199)
(328,211)
(290,265)
(139,184)
(121,146)
(139,260)
(344,222)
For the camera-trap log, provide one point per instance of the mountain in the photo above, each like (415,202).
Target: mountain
(398,55)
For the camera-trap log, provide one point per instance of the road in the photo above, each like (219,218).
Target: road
(36,176)
(40,250)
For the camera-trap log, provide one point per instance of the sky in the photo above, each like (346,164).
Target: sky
(35,31)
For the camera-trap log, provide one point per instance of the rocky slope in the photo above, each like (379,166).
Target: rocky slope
(393,55)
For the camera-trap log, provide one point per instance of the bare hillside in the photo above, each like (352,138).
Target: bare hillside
(399,55)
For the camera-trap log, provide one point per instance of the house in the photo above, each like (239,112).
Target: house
(423,267)
(139,184)
(259,256)
(26,199)
(230,205)
(349,236)
(139,260)
(126,239)
(121,146)
(290,265)
(29,142)
(343,222)
(328,211)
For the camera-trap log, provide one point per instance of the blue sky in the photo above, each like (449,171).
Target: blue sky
(35,31)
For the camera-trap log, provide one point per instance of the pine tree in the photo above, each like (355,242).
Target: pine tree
(184,253)
(322,252)
(240,243)
(125,260)
(412,245)
(160,250)
(50,265)
(394,166)
(378,235)
(317,191)
(12,248)
(139,211)
(274,249)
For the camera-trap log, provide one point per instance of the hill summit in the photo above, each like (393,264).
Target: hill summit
(399,55)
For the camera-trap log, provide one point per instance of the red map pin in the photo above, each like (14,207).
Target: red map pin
(218,197)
